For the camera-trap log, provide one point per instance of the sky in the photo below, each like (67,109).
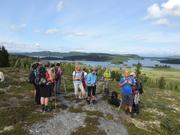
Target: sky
(144,27)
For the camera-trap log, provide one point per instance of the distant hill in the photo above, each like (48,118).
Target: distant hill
(171,61)
(73,56)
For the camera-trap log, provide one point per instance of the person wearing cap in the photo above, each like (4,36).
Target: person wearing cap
(127,92)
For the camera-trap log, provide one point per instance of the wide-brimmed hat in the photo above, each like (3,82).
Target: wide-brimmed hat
(132,74)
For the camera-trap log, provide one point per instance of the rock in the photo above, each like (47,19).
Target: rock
(112,128)
(8,128)
(62,124)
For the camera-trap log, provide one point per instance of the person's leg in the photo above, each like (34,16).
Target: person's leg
(38,95)
(89,94)
(76,90)
(82,93)
(55,87)
(94,93)
(46,104)
(59,85)
(43,103)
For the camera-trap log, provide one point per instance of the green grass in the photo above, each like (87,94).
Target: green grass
(90,128)
(15,110)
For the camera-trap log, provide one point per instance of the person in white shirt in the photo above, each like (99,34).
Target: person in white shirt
(77,81)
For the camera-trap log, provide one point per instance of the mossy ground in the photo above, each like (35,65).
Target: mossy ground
(159,114)
(17,106)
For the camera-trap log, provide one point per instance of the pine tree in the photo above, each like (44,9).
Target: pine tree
(4,57)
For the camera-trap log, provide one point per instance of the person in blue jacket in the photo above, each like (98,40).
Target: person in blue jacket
(91,81)
(126,83)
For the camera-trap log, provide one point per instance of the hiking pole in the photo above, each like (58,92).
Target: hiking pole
(55,98)
(64,82)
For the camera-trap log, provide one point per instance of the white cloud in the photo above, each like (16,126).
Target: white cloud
(162,21)
(76,34)
(60,6)
(22,47)
(20,27)
(52,31)
(160,14)
(154,11)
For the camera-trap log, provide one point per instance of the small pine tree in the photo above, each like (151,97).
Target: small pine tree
(138,69)
(4,57)
(162,83)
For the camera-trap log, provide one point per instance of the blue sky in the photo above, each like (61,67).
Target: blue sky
(145,27)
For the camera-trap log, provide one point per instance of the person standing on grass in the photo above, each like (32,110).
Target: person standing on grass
(34,79)
(135,93)
(44,89)
(107,79)
(127,92)
(84,75)
(58,77)
(77,82)
(91,81)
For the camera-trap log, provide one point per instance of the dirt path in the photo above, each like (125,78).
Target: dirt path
(73,119)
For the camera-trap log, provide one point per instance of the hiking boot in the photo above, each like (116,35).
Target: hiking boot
(43,109)
(132,115)
(88,102)
(47,109)
(94,102)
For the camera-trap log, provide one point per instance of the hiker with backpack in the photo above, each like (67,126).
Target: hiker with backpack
(127,93)
(91,81)
(107,79)
(135,93)
(58,77)
(84,75)
(46,86)
(33,79)
(77,82)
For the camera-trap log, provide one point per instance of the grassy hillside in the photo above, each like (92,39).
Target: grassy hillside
(160,108)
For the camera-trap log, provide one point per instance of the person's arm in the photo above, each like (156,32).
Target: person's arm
(122,82)
(73,76)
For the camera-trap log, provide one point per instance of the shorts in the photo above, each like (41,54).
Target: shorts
(91,90)
(45,90)
(127,100)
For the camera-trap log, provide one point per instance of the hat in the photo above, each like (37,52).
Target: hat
(132,74)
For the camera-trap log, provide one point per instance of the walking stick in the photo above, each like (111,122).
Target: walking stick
(64,82)
(55,104)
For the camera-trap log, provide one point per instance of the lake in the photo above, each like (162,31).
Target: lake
(145,62)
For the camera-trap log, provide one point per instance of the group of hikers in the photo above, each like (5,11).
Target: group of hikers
(47,80)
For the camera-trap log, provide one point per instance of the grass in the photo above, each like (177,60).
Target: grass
(159,108)
(15,109)
(91,128)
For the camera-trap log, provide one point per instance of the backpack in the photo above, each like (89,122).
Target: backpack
(114,99)
(57,74)
(40,74)
(139,86)
(32,77)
